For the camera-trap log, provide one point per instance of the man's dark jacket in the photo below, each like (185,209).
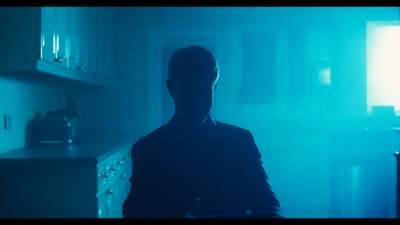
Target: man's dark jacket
(218,163)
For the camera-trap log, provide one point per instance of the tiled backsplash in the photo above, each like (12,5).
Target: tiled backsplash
(22,96)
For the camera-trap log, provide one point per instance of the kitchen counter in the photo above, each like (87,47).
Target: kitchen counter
(83,180)
(95,149)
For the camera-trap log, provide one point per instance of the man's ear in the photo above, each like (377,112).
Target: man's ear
(170,87)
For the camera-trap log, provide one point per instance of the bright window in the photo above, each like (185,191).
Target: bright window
(383,65)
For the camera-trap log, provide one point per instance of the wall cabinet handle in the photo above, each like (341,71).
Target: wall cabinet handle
(58,59)
(109,191)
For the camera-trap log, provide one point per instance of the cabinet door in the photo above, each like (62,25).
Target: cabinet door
(114,189)
(48,34)
(82,49)
(122,192)
(69,42)
(109,203)
(71,37)
(104,203)
(54,32)
(61,37)
(76,35)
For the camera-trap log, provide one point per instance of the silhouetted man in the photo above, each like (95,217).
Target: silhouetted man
(195,166)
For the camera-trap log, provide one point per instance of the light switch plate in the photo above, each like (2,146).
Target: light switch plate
(7,122)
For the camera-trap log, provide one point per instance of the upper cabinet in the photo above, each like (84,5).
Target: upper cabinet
(71,42)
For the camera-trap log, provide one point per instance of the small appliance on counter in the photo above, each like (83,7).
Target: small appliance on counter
(63,126)
(55,130)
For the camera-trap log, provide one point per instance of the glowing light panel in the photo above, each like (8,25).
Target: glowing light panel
(383,66)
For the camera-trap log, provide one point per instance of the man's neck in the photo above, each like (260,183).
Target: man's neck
(189,123)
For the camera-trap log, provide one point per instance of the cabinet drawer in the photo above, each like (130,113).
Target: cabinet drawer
(111,198)
(113,183)
(112,167)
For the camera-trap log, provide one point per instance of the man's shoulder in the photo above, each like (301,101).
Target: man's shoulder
(235,135)
(228,127)
(152,137)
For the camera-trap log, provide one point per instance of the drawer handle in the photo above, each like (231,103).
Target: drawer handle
(104,176)
(109,191)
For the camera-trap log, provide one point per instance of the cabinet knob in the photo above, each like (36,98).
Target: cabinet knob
(58,59)
(104,176)
(109,191)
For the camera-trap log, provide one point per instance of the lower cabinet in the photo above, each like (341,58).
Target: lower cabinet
(110,199)
(71,187)
(114,185)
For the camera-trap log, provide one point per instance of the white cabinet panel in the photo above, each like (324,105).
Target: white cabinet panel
(71,42)
(48,36)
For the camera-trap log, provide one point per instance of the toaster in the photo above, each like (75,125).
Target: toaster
(55,130)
